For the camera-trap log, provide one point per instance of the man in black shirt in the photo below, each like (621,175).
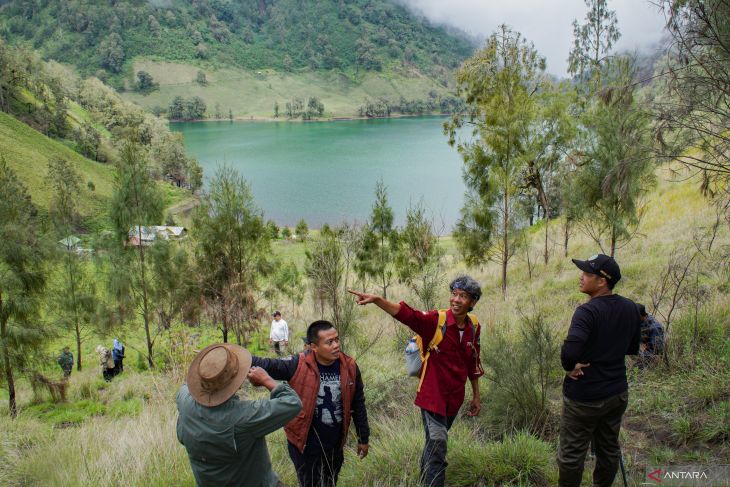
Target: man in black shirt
(595,389)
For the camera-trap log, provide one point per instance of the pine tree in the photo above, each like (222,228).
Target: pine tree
(593,40)
(616,166)
(136,203)
(22,279)
(74,298)
(500,83)
(232,250)
(376,258)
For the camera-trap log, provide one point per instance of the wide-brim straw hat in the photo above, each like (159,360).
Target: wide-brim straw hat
(217,372)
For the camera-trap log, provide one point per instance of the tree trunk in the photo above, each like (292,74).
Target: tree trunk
(78,347)
(77,326)
(542,199)
(613,240)
(145,304)
(225,324)
(546,254)
(566,235)
(11,385)
(8,368)
(505,239)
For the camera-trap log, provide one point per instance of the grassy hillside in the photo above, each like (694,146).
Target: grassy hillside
(27,152)
(253,93)
(678,414)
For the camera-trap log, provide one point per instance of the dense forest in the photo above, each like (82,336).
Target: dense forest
(102,38)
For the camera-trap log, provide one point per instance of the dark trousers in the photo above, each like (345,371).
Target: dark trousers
(108,374)
(280,347)
(118,366)
(316,467)
(581,422)
(433,459)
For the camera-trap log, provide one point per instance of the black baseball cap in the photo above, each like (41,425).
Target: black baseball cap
(600,265)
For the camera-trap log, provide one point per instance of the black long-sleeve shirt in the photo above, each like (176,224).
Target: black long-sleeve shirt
(284,369)
(602,332)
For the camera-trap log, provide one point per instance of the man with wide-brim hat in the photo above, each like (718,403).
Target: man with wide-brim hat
(224,435)
(595,390)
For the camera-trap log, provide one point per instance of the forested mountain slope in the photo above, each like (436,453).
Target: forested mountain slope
(347,35)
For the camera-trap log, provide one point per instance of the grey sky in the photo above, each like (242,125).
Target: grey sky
(547,23)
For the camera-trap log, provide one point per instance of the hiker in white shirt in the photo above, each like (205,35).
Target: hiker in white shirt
(279,336)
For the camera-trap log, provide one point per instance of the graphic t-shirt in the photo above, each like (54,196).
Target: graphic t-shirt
(327,422)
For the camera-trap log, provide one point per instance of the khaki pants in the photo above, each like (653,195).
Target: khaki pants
(583,422)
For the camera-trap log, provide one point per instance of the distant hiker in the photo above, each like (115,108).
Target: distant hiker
(66,361)
(449,364)
(332,392)
(118,357)
(279,336)
(106,362)
(595,390)
(652,339)
(224,436)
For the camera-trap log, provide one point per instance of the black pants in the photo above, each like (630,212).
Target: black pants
(581,422)
(433,459)
(118,366)
(108,374)
(280,347)
(317,468)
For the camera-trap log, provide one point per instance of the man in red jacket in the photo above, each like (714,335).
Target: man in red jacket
(331,389)
(451,363)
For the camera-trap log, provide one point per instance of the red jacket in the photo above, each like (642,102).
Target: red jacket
(454,361)
(305,382)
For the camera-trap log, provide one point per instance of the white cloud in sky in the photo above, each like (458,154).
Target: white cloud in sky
(546,23)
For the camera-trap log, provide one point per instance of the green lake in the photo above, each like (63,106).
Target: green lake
(325,172)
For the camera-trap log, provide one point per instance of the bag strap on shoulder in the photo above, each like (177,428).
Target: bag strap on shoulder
(437,337)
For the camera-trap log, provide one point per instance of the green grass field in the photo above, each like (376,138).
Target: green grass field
(28,152)
(253,93)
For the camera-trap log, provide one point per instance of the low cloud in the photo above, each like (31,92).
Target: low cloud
(546,23)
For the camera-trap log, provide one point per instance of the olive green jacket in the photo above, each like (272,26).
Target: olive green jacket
(226,444)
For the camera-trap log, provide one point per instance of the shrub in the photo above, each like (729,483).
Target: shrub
(522,371)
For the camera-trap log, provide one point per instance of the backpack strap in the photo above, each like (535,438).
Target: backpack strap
(476,341)
(437,337)
(475,327)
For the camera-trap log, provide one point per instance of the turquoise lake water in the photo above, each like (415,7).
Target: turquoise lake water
(325,172)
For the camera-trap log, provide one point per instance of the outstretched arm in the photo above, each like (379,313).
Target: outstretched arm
(388,306)
(278,369)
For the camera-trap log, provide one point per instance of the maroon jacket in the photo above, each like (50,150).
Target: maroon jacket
(454,361)
(303,375)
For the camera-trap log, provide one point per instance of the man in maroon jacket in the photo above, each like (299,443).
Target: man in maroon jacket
(450,364)
(330,386)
